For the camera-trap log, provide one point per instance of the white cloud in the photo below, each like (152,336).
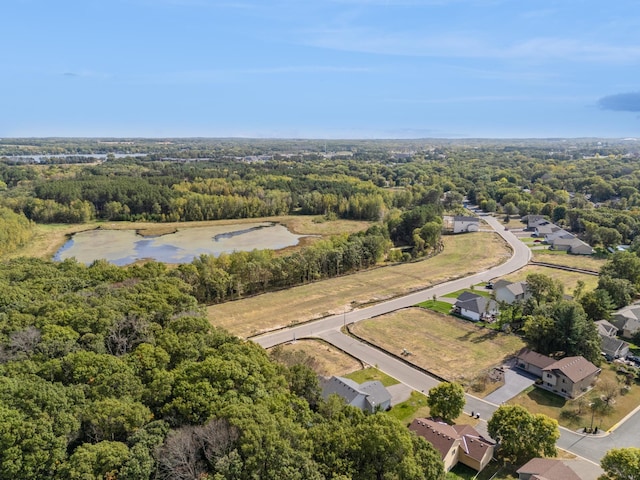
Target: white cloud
(468,45)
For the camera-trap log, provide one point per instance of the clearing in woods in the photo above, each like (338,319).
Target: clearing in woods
(462,256)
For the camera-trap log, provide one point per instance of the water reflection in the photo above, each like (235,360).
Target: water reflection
(122,247)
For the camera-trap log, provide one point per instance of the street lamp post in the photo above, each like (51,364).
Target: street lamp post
(593,411)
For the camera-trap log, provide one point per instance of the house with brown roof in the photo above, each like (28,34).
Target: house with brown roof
(532,362)
(570,376)
(456,443)
(546,469)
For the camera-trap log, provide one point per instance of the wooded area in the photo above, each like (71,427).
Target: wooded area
(114,372)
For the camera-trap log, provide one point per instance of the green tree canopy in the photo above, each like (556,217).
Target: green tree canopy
(523,435)
(446,401)
(621,464)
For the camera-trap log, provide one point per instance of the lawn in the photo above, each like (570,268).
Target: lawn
(370,374)
(326,359)
(452,348)
(436,306)
(250,316)
(577,412)
(586,262)
(477,291)
(567,278)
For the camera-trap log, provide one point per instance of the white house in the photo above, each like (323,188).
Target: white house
(475,307)
(511,292)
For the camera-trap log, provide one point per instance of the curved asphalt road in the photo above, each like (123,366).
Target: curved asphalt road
(520,257)
(328,329)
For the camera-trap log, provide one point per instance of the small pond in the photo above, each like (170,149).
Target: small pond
(122,247)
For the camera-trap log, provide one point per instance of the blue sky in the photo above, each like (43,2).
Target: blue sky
(320,69)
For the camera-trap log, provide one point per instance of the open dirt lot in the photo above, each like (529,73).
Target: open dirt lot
(327,360)
(462,255)
(455,349)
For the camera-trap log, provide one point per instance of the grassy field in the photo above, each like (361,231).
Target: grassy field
(436,306)
(537,400)
(49,238)
(370,374)
(567,278)
(327,360)
(562,258)
(455,349)
(251,316)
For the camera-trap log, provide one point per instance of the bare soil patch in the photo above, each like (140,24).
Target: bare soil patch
(462,255)
(326,360)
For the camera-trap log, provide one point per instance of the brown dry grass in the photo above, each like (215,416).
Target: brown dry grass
(567,278)
(452,348)
(577,261)
(462,255)
(541,401)
(327,360)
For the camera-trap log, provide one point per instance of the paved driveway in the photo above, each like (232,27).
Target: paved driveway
(515,381)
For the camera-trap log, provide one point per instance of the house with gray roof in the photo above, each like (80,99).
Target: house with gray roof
(368,396)
(460,224)
(627,320)
(572,245)
(533,220)
(511,292)
(611,346)
(475,307)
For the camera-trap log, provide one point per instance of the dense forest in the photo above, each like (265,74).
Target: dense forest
(114,372)
(110,372)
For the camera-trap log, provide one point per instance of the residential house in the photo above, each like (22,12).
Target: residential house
(456,443)
(569,377)
(368,396)
(544,228)
(627,320)
(533,362)
(551,237)
(533,220)
(611,346)
(475,307)
(546,469)
(461,224)
(571,245)
(606,328)
(511,292)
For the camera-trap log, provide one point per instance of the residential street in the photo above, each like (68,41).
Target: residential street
(328,329)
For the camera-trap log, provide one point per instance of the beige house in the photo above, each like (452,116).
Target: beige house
(456,443)
(532,362)
(569,377)
(460,224)
(627,320)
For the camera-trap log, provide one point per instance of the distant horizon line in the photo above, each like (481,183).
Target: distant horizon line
(118,138)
